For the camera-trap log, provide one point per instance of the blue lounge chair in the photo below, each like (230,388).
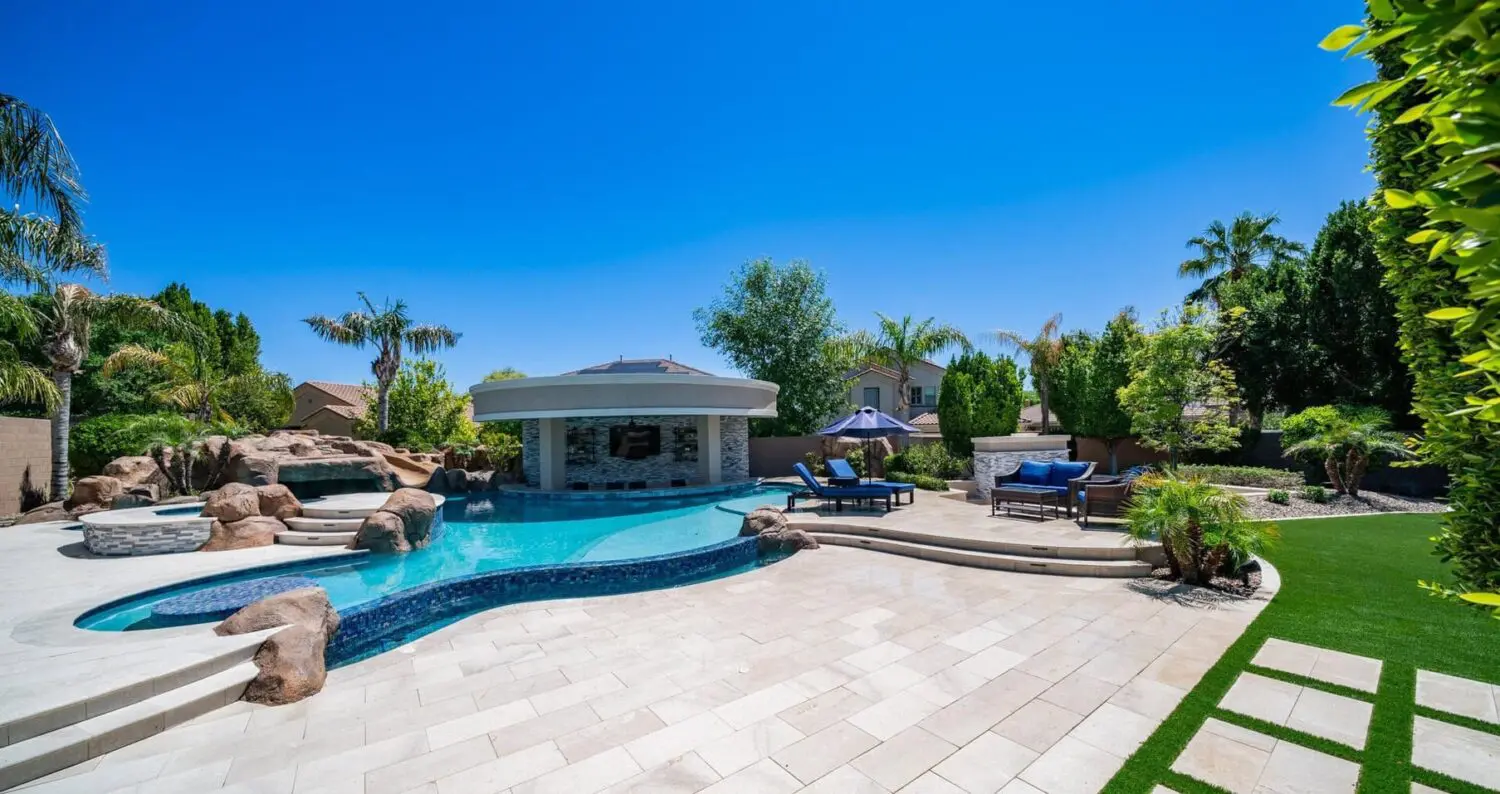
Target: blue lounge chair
(836,493)
(841,473)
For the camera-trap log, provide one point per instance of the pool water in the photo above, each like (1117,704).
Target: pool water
(481,534)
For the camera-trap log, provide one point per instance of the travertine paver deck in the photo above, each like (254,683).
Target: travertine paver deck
(835,670)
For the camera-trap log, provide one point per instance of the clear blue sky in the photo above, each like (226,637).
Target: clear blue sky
(564,182)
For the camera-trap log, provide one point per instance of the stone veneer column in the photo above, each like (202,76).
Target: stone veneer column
(710,464)
(1003,454)
(554,454)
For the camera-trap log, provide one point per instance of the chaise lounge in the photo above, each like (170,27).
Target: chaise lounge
(1061,476)
(836,493)
(841,473)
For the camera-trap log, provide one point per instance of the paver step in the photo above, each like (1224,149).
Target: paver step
(1123,551)
(293,537)
(981,559)
(305,524)
(310,511)
(73,744)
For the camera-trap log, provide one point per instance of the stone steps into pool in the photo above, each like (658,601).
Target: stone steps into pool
(1021,563)
(297,537)
(1110,546)
(67,727)
(308,524)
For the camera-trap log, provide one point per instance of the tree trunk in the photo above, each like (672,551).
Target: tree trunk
(903,395)
(1354,471)
(1041,393)
(1331,466)
(383,406)
(62,420)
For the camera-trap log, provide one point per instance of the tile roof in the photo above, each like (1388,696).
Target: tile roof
(928,419)
(349,393)
(635,366)
(886,371)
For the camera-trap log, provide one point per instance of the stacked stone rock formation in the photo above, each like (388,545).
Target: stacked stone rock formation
(769,525)
(403,523)
(291,661)
(246,516)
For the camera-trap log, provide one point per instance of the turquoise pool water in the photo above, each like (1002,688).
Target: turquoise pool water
(481,534)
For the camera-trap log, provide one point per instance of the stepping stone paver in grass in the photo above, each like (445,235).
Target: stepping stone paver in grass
(1334,667)
(1456,751)
(1333,717)
(1260,697)
(1245,761)
(1461,696)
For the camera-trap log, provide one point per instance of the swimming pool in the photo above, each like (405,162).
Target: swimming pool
(540,548)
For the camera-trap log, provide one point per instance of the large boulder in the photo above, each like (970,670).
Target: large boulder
(278,502)
(768,525)
(403,523)
(480,481)
(257,468)
(308,607)
(247,533)
(137,470)
(52,511)
(92,494)
(234,502)
(458,480)
(136,496)
(292,667)
(762,519)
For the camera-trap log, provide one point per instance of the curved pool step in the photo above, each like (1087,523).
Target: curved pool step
(307,524)
(992,560)
(350,513)
(1018,548)
(294,537)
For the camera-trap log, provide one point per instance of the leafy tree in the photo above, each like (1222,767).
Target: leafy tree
(504,373)
(1229,253)
(900,345)
(1432,145)
(776,323)
(1042,352)
(1265,339)
(979,396)
(1179,397)
(1088,378)
(424,410)
(20,380)
(1202,528)
(389,328)
(1346,447)
(502,439)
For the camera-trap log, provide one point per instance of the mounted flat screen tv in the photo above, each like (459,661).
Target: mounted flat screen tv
(634,442)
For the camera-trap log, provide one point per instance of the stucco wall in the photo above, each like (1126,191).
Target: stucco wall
(25,456)
(921,375)
(734,434)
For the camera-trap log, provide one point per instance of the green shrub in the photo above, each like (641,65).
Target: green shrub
(1320,419)
(1316,493)
(932,460)
(98,440)
(922,481)
(1246,476)
(1278,496)
(856,458)
(814,461)
(1203,529)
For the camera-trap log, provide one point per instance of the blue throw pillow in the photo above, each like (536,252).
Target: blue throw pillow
(1063,471)
(1034,472)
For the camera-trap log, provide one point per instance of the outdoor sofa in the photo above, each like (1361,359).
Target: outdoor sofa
(836,493)
(1060,476)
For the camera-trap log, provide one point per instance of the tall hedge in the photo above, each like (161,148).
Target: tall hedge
(979,396)
(1432,153)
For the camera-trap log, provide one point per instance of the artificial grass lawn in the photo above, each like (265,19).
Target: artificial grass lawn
(1349,584)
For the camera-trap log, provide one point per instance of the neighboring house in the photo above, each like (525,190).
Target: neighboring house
(1031,420)
(876,385)
(329,408)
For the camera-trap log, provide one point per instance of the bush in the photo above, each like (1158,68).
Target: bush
(814,461)
(1320,419)
(856,458)
(1247,476)
(98,440)
(1278,496)
(1203,529)
(922,481)
(931,460)
(979,396)
(1316,493)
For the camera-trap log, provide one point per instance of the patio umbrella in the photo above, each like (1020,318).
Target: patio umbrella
(868,423)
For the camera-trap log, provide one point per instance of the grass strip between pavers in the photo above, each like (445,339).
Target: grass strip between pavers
(1458,719)
(1348,584)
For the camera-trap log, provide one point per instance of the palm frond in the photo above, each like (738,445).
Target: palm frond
(353,328)
(423,339)
(21,382)
(17,320)
(188,396)
(36,166)
(32,247)
(127,356)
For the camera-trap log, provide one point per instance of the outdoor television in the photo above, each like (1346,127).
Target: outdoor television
(633,442)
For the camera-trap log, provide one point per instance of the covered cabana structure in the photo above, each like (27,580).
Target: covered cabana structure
(629,424)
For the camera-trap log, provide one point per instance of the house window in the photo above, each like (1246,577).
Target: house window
(872,397)
(925,396)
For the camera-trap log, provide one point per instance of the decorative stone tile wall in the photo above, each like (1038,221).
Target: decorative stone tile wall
(734,447)
(138,539)
(734,433)
(989,464)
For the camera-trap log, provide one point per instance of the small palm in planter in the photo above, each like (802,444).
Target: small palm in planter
(1202,528)
(1346,449)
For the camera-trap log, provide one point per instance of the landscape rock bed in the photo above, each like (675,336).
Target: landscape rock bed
(1369,502)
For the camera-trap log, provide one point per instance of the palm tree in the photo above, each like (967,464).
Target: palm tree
(1042,351)
(192,386)
(65,316)
(1200,526)
(1346,449)
(900,345)
(391,329)
(21,381)
(37,170)
(1231,253)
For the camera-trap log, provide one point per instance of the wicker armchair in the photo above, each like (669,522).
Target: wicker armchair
(1107,496)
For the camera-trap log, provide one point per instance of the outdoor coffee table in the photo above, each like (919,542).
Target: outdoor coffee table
(1027,495)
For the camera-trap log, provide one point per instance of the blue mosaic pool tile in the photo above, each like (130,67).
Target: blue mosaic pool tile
(217,603)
